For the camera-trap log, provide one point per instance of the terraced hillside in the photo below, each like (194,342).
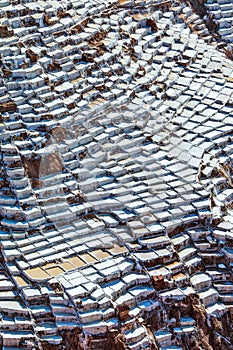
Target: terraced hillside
(116,184)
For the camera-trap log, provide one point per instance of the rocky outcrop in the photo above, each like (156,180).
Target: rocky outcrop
(8,107)
(5,31)
(40,165)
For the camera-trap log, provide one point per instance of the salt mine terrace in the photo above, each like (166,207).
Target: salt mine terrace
(116,175)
